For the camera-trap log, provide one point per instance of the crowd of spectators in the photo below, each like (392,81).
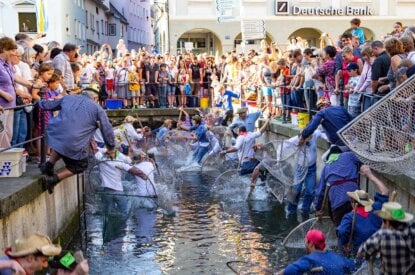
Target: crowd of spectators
(352,72)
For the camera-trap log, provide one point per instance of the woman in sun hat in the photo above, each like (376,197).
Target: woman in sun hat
(358,225)
(395,241)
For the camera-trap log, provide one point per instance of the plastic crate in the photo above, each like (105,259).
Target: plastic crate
(12,163)
(113,103)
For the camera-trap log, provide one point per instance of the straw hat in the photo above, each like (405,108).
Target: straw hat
(242,110)
(322,101)
(129,119)
(393,211)
(362,198)
(34,244)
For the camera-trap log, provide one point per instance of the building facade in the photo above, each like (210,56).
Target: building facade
(137,13)
(160,25)
(194,23)
(65,19)
(87,23)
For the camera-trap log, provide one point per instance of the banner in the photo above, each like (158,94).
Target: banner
(41,17)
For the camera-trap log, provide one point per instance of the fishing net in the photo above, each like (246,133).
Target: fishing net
(383,137)
(294,242)
(231,186)
(268,150)
(275,187)
(215,164)
(223,134)
(242,267)
(290,165)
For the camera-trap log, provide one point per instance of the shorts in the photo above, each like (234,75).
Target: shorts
(247,167)
(266,91)
(110,84)
(74,165)
(122,91)
(135,93)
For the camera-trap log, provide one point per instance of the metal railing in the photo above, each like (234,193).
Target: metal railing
(41,135)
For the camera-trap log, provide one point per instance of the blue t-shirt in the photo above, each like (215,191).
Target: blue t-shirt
(200,132)
(330,262)
(227,100)
(8,271)
(359,32)
(364,227)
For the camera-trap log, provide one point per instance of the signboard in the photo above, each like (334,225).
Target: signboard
(253,29)
(188,46)
(224,10)
(284,8)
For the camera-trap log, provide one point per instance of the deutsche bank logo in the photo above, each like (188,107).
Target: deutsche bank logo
(281,7)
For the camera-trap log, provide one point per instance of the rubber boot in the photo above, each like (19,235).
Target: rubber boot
(49,182)
(46,168)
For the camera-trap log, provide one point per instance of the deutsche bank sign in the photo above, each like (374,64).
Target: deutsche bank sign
(283,8)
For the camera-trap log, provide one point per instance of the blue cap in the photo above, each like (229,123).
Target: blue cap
(352,66)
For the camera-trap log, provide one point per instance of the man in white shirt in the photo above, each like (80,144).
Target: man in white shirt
(245,147)
(145,185)
(111,170)
(62,62)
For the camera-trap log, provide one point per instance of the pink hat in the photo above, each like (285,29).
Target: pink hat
(317,238)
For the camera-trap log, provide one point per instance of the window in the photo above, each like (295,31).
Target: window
(106,28)
(112,30)
(96,9)
(102,26)
(76,29)
(92,21)
(27,22)
(86,19)
(97,23)
(67,24)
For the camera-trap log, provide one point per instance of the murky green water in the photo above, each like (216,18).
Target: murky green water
(201,238)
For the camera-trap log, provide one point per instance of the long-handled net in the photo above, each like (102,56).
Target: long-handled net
(384,136)
(231,186)
(294,242)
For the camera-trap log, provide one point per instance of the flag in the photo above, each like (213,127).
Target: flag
(41,17)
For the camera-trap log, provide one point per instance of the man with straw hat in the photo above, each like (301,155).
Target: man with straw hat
(245,119)
(31,253)
(318,260)
(357,226)
(395,241)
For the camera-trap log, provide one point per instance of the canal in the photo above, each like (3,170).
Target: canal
(195,234)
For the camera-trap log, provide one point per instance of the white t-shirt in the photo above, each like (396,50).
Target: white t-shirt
(111,170)
(244,145)
(119,133)
(109,73)
(145,187)
(87,74)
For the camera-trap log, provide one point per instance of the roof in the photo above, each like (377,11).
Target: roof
(118,15)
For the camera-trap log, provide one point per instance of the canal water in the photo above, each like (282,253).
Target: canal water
(196,234)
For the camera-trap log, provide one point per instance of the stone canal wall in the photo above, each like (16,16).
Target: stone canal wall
(25,208)
(404,186)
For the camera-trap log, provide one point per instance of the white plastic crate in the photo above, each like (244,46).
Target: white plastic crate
(12,163)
